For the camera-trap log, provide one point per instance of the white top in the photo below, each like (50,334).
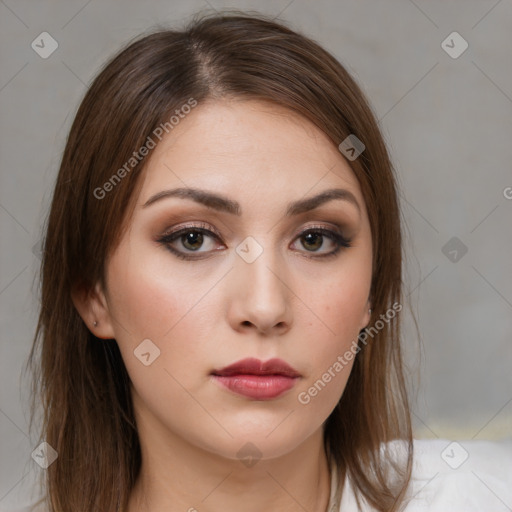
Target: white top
(463,476)
(458,476)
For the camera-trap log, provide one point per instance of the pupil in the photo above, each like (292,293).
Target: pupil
(315,236)
(190,239)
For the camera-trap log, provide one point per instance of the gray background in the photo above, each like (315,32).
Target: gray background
(448,124)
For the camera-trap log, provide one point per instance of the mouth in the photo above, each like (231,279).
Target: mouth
(256,379)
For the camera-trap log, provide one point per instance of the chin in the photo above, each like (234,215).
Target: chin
(252,441)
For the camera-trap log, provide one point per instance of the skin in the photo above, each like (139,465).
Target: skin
(207,313)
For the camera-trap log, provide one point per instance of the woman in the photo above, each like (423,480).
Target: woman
(221,285)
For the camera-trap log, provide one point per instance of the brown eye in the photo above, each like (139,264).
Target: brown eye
(314,239)
(192,240)
(183,242)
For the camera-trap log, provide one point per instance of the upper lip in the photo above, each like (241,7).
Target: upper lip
(252,366)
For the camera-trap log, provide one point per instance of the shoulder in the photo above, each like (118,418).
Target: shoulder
(461,476)
(455,476)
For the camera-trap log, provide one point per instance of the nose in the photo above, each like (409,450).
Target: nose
(260,296)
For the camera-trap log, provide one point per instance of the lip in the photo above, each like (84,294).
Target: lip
(256,379)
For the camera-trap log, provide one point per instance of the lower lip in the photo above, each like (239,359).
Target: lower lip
(258,387)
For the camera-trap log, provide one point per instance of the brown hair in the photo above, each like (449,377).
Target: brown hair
(81,381)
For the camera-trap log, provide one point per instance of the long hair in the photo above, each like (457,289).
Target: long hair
(80,381)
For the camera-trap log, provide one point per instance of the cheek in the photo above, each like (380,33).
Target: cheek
(331,338)
(330,362)
(147,300)
(339,304)
(171,309)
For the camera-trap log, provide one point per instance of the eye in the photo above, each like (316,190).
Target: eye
(314,238)
(191,238)
(194,238)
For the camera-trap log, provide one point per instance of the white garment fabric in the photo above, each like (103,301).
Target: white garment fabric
(453,476)
(447,476)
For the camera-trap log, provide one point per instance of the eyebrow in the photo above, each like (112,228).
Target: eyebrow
(222,203)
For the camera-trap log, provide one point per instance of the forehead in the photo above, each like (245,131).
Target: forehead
(249,148)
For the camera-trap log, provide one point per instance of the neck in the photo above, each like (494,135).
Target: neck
(177,476)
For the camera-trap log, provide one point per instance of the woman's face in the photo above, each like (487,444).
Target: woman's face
(194,288)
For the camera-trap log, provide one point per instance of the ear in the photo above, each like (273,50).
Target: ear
(93,308)
(366,315)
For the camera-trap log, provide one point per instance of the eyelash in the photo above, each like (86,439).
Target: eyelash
(168,238)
